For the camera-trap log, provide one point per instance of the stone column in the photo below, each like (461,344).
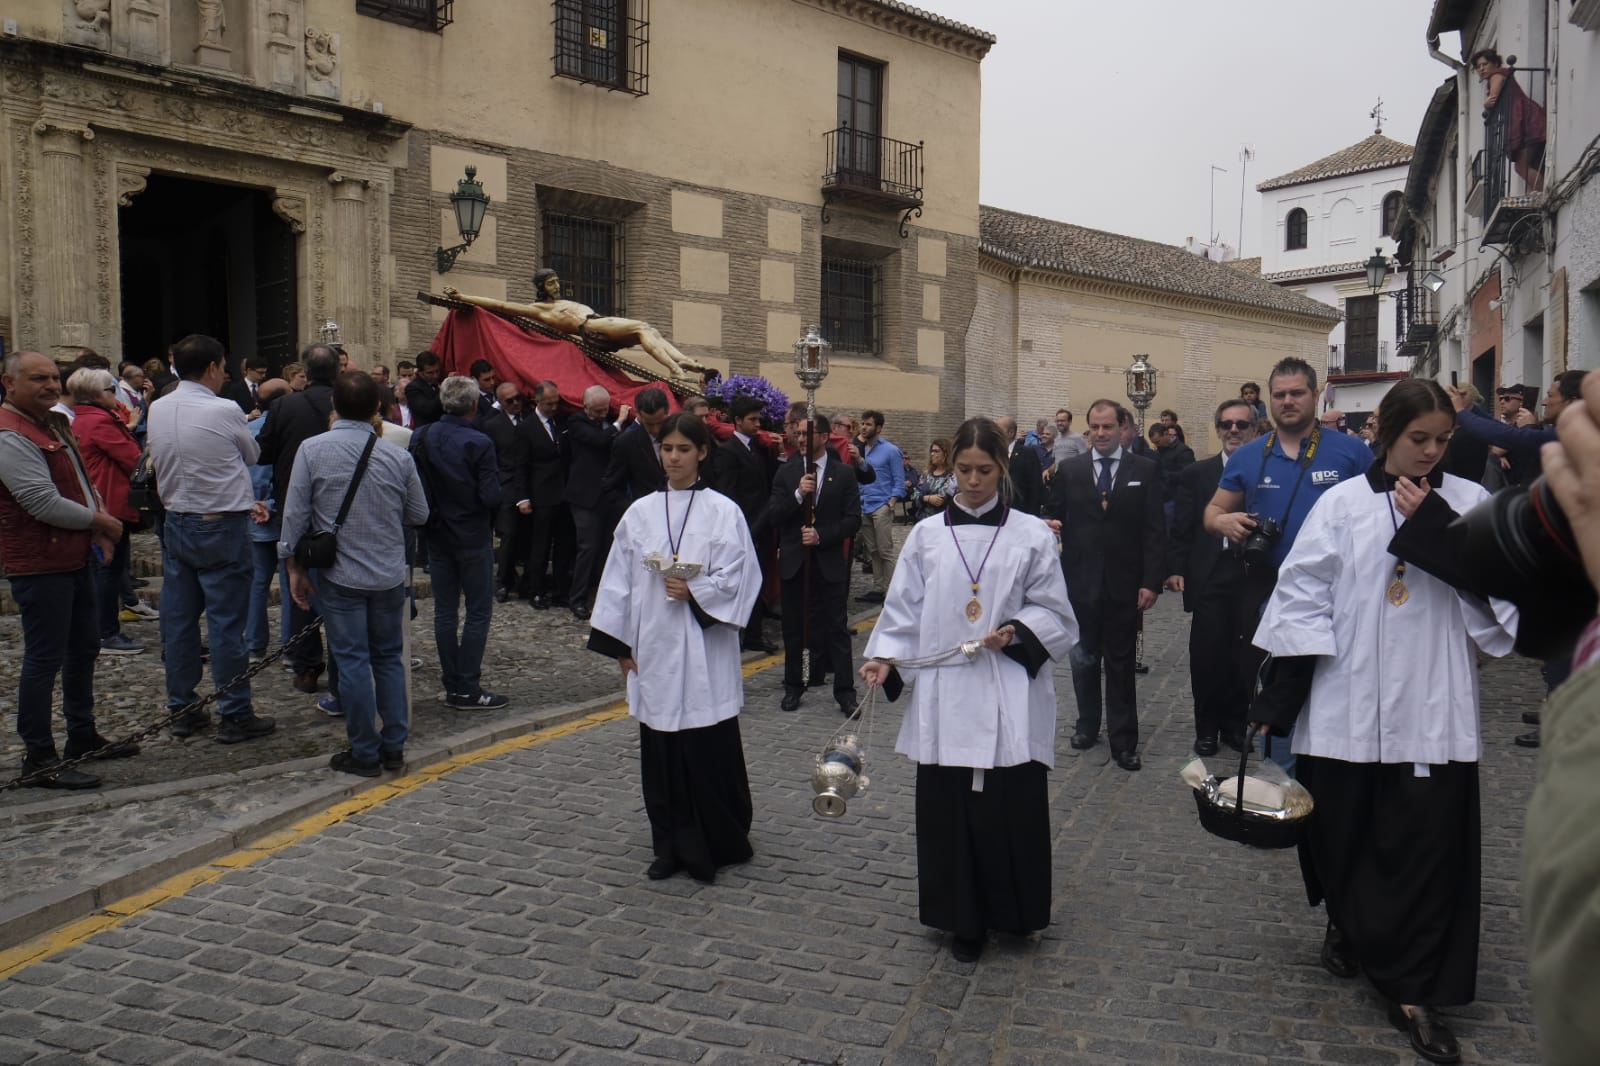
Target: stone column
(347,264)
(64,249)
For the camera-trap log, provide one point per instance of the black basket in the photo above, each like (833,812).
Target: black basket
(1244,827)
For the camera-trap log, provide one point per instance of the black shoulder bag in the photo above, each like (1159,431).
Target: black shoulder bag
(318,550)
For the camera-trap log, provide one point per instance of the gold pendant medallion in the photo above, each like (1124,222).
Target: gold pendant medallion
(1398,593)
(974,609)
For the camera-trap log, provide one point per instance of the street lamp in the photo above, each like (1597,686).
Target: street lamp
(1377,270)
(1433,280)
(1141,386)
(469,202)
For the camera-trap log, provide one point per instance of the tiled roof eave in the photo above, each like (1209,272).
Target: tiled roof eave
(1285,182)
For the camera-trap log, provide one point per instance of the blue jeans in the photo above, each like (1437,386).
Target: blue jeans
(366,638)
(206,567)
(108,588)
(264,563)
(60,635)
(462,574)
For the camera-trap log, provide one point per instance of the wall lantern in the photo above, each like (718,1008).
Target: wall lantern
(1377,270)
(1433,280)
(470,203)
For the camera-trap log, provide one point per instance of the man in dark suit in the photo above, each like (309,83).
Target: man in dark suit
(292,420)
(1211,577)
(422,391)
(590,438)
(1108,506)
(243,391)
(635,469)
(482,371)
(741,472)
(819,536)
(1026,478)
(541,498)
(500,425)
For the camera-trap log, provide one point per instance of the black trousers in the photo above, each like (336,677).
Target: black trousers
(551,547)
(592,529)
(513,528)
(1220,631)
(830,632)
(1108,635)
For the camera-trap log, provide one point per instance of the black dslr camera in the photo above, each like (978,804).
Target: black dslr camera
(1257,548)
(1518,546)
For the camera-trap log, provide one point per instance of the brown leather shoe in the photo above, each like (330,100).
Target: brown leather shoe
(306,680)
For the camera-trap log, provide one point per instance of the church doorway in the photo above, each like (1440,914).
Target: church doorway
(204,257)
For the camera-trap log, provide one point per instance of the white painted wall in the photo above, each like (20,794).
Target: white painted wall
(1343,217)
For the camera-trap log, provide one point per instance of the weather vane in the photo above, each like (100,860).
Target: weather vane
(1376,114)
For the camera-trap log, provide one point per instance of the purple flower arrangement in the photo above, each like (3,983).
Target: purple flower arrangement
(774,401)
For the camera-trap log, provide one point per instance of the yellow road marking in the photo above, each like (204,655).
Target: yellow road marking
(114,914)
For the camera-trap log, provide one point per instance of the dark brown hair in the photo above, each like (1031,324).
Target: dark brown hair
(1408,401)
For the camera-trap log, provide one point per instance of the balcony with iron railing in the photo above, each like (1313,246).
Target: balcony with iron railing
(1346,359)
(872,171)
(1416,318)
(1509,173)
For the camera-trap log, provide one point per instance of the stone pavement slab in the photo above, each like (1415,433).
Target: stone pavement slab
(499,914)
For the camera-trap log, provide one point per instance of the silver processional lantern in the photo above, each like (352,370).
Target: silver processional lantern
(811,362)
(1141,386)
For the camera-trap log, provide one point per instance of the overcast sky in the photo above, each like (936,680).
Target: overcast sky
(1111,114)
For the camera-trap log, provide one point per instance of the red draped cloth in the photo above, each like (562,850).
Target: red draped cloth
(525,359)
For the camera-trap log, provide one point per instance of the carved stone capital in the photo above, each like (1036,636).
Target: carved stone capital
(347,188)
(291,207)
(131,182)
(46,127)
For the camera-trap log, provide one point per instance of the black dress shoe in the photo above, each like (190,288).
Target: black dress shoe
(541,603)
(392,760)
(1530,717)
(873,596)
(1527,740)
(966,949)
(1083,741)
(581,613)
(503,596)
(346,763)
(98,747)
(1128,760)
(244,727)
(662,869)
(1205,746)
(848,704)
(791,699)
(1430,1037)
(762,645)
(1338,954)
(70,779)
(306,680)
(1234,740)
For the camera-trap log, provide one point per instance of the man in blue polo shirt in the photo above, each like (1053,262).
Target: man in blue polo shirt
(1279,478)
(877,502)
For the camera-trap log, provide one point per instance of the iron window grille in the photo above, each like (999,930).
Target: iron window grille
(587,253)
(604,42)
(851,302)
(432,15)
(1295,224)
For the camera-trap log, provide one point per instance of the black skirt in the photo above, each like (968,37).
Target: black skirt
(1397,858)
(697,796)
(983,858)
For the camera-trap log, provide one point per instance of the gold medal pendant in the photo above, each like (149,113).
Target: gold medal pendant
(1398,593)
(974,609)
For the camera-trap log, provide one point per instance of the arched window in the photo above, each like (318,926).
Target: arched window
(1295,224)
(1391,214)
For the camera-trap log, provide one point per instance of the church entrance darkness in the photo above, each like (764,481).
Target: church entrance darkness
(203,257)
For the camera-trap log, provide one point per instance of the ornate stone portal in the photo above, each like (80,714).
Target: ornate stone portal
(80,145)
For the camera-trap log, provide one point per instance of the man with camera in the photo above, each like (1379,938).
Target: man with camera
(1271,484)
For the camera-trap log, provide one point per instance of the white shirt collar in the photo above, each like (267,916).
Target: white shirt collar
(742,438)
(1115,457)
(981,510)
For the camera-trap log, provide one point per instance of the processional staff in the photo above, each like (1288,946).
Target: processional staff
(810,366)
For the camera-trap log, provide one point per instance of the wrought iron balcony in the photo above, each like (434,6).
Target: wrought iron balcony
(432,15)
(1416,318)
(872,171)
(1513,157)
(1358,359)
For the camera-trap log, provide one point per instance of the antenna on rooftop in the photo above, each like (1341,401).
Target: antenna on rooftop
(1376,114)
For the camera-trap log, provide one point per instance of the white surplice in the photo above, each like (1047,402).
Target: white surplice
(986,713)
(688,676)
(1393,684)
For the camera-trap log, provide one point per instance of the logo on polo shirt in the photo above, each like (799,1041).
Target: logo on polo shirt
(1324,477)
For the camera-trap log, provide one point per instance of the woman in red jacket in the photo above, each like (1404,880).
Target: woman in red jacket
(110,455)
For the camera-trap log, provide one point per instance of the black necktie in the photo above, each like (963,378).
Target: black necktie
(1104,484)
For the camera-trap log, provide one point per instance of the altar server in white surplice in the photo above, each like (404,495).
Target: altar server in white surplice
(677,640)
(1376,658)
(982,732)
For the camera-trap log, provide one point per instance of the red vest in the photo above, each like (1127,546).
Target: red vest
(27,545)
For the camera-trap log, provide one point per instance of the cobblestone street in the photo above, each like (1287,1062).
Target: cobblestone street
(499,913)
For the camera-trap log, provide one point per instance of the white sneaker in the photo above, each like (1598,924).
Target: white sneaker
(141,611)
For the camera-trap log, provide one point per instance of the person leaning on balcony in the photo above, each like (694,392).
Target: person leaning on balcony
(1524,118)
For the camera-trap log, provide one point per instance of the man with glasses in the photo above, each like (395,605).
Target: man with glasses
(1206,570)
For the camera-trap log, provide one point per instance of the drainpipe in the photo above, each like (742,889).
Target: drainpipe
(1462,176)
(1449,61)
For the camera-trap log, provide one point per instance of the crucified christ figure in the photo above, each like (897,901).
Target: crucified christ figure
(580,320)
